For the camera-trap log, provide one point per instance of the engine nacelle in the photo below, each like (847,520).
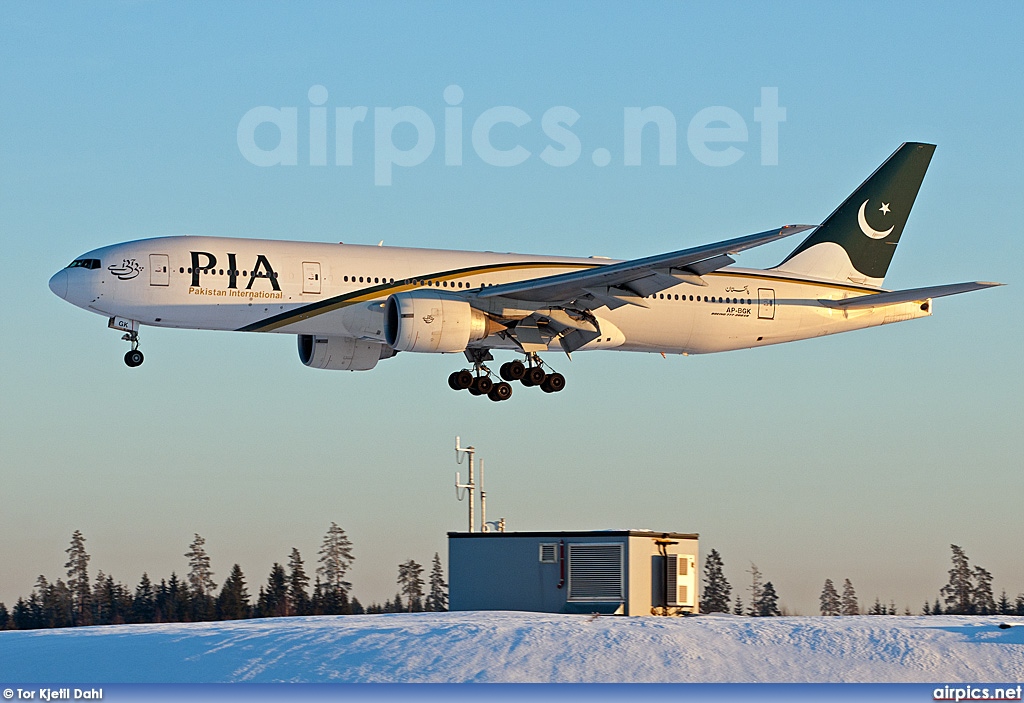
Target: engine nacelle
(341,353)
(431,321)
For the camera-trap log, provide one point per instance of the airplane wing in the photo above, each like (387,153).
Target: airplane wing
(911,295)
(628,282)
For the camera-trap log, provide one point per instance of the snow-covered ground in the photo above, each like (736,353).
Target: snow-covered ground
(524,647)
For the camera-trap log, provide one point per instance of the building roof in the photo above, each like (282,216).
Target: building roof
(578,533)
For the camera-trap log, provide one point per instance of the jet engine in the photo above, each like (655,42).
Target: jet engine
(431,321)
(341,353)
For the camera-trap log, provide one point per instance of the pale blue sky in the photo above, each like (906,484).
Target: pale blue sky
(859,456)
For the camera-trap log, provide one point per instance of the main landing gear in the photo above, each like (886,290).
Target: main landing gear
(133,357)
(479,381)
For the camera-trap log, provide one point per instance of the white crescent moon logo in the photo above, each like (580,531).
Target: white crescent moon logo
(867,229)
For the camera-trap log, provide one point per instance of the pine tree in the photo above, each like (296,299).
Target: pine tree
(877,608)
(101,597)
(298,585)
(738,608)
(937,608)
(830,603)
(233,601)
(200,577)
(179,601)
(410,583)
(335,559)
(848,603)
(768,605)
(1003,607)
(1019,605)
(316,603)
(21,615)
(273,600)
(437,599)
(78,578)
(756,589)
(926,609)
(984,603)
(357,607)
(717,591)
(960,589)
(144,603)
(5,617)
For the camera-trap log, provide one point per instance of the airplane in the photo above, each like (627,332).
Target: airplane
(351,306)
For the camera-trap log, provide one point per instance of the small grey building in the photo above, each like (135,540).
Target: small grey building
(624,572)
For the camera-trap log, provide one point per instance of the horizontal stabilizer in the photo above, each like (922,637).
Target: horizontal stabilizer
(912,295)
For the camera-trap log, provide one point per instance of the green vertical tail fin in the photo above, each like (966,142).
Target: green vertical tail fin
(856,242)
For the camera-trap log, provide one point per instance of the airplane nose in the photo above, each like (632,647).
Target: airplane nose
(59,284)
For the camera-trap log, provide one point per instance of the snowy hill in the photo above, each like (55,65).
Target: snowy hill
(524,647)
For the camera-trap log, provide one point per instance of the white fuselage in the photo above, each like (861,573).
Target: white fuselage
(218,283)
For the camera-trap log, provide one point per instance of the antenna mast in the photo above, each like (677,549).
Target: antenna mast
(484,527)
(460,453)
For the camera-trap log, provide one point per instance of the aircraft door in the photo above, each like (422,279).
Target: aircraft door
(159,271)
(765,304)
(310,277)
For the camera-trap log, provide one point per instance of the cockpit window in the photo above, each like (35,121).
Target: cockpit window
(85,264)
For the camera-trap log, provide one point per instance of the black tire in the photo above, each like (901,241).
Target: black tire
(483,385)
(553,383)
(501,391)
(534,376)
(513,371)
(133,358)
(463,379)
(453,381)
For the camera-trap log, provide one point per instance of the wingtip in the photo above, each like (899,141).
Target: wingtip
(794,229)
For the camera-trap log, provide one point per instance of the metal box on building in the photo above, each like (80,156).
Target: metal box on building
(625,572)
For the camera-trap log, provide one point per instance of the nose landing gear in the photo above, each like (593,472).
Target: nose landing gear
(133,357)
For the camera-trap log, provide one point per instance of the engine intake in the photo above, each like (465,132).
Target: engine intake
(341,353)
(431,321)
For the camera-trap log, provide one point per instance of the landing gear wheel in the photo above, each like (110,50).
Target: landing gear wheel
(513,371)
(133,358)
(460,380)
(500,391)
(534,376)
(483,385)
(553,383)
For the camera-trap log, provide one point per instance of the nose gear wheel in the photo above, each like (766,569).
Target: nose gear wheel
(133,357)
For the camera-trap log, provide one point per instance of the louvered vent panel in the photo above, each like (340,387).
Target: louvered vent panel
(681,575)
(549,553)
(595,572)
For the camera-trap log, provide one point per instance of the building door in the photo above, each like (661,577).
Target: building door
(159,273)
(766,303)
(310,277)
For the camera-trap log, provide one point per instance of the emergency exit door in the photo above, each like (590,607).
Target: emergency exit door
(159,274)
(310,277)
(765,304)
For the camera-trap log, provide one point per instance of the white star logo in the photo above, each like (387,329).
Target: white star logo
(884,209)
